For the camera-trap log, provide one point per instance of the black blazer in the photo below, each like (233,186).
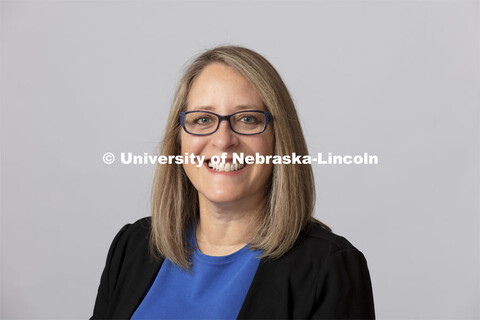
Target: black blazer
(322,277)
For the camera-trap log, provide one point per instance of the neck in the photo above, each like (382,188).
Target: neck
(226,228)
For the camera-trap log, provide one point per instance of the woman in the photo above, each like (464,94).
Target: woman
(233,241)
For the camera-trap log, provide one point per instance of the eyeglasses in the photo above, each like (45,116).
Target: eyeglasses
(202,123)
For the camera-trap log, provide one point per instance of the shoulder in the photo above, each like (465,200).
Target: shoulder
(317,251)
(316,248)
(128,268)
(131,238)
(136,230)
(314,238)
(324,273)
(130,248)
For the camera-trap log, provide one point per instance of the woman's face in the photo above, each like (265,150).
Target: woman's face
(223,90)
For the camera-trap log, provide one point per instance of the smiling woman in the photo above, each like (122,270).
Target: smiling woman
(233,241)
(222,89)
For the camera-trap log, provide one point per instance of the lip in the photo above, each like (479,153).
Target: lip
(226,173)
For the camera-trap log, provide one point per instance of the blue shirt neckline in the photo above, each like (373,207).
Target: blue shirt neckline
(214,288)
(215,259)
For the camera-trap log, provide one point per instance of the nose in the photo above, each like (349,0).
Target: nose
(224,138)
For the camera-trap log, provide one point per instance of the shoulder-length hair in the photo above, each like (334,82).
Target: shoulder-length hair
(290,194)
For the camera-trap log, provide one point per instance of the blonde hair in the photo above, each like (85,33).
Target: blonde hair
(290,196)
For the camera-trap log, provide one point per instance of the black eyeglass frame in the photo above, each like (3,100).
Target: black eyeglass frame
(268,117)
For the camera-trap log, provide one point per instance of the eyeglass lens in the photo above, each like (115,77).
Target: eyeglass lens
(248,122)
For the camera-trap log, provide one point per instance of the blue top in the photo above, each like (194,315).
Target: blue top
(215,287)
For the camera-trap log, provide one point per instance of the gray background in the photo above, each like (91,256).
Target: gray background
(399,79)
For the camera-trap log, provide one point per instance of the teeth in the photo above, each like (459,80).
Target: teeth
(227,167)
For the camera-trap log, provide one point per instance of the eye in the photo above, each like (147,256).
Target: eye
(202,120)
(248,119)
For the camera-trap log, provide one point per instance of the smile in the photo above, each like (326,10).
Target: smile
(227,167)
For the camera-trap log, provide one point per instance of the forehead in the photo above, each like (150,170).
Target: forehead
(221,87)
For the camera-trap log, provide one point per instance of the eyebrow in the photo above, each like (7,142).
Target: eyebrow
(239,107)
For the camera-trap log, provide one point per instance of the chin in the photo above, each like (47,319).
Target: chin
(225,194)
(222,198)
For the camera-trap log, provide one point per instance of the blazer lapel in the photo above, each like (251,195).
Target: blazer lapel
(264,294)
(136,287)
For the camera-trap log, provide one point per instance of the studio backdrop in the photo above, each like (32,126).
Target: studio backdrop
(395,79)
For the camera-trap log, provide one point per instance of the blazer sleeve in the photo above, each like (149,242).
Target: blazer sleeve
(344,289)
(104,289)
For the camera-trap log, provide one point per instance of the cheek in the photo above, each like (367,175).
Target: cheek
(262,143)
(192,173)
(268,149)
(267,145)
(190,144)
(184,142)
(268,142)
